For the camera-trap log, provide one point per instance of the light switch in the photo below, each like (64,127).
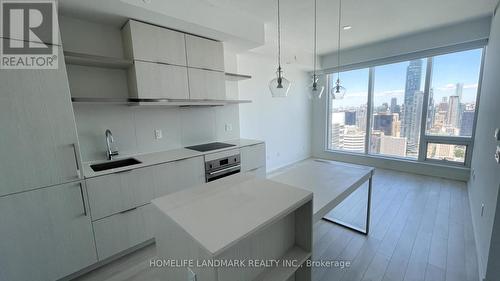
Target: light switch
(229,127)
(158,134)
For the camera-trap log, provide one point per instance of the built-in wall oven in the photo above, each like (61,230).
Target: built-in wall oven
(222,167)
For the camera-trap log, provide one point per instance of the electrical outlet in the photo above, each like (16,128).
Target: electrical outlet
(158,134)
(228,127)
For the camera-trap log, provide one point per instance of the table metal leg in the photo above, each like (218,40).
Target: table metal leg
(366,230)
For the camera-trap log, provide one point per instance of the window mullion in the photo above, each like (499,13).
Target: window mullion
(369,108)
(422,151)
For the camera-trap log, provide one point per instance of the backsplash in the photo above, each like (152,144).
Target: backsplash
(133,127)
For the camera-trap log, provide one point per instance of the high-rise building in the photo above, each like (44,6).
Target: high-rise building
(431,109)
(393,146)
(410,120)
(394,106)
(350,118)
(453,111)
(467,123)
(385,123)
(361,118)
(353,139)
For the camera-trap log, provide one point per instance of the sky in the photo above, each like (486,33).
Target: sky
(448,70)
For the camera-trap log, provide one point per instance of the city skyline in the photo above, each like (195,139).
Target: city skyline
(390,80)
(396,115)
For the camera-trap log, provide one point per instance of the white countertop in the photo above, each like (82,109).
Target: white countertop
(220,213)
(330,181)
(154,158)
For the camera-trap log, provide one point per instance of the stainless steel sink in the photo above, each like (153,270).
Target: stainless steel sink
(115,164)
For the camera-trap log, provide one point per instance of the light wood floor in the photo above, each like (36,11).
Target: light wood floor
(421,229)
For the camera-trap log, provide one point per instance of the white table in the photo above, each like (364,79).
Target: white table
(331,182)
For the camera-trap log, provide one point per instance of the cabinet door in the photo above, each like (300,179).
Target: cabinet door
(253,157)
(206,84)
(154,44)
(179,175)
(204,53)
(38,143)
(156,81)
(119,192)
(122,231)
(45,234)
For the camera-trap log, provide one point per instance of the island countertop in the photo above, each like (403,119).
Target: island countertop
(219,214)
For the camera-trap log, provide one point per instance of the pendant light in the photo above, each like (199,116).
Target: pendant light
(315,91)
(279,86)
(338,92)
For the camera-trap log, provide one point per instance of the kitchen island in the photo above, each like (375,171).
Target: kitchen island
(236,228)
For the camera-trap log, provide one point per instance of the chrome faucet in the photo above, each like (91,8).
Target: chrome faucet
(109,140)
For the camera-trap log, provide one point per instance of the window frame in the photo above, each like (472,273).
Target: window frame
(424,139)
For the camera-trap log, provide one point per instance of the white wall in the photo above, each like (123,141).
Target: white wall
(284,123)
(485,181)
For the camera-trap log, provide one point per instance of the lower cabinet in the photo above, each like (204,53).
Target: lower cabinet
(46,234)
(122,231)
(120,202)
(253,159)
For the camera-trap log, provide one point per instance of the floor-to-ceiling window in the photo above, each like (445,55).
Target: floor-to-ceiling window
(347,122)
(422,109)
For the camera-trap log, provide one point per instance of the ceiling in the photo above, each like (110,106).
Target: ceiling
(371,20)
(244,21)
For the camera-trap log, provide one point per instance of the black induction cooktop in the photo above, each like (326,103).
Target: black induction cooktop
(210,146)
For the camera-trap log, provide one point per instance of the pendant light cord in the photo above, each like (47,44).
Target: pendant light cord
(338,43)
(315,35)
(279,37)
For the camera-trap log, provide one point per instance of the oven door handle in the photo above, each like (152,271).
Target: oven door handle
(224,170)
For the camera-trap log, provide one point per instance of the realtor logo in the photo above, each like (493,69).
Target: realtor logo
(29,33)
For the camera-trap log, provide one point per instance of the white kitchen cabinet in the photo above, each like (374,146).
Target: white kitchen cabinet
(206,84)
(39,145)
(253,159)
(114,193)
(175,176)
(122,231)
(204,53)
(45,234)
(153,43)
(155,81)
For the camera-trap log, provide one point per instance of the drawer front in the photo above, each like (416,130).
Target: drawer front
(175,176)
(258,172)
(253,157)
(119,232)
(222,154)
(155,44)
(154,80)
(115,193)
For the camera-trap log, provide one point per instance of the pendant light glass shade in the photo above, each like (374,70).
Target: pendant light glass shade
(279,86)
(338,92)
(315,89)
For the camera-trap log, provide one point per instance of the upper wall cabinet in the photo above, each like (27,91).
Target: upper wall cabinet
(156,81)
(39,145)
(204,53)
(154,44)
